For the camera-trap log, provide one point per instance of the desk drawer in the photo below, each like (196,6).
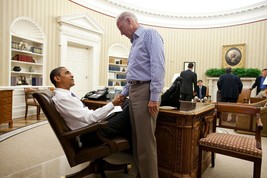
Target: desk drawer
(6,94)
(5,108)
(5,101)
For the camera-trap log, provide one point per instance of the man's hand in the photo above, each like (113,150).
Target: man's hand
(153,108)
(117,100)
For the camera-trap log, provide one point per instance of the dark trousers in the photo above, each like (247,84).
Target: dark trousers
(230,100)
(119,125)
(186,97)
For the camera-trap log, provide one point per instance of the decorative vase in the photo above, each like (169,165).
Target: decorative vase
(31,69)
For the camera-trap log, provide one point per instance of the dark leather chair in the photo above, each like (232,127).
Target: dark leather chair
(79,154)
(233,145)
(30,101)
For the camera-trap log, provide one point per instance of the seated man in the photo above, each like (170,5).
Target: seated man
(76,115)
(201,92)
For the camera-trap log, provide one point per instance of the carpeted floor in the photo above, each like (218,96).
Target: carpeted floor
(39,145)
(27,149)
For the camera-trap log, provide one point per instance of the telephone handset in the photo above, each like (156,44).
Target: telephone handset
(97,95)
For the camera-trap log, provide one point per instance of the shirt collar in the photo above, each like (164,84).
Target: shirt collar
(63,90)
(137,33)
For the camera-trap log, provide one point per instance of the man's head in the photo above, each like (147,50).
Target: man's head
(127,24)
(264,72)
(228,70)
(199,82)
(190,65)
(61,77)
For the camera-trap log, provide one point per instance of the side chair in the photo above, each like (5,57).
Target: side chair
(244,96)
(76,154)
(30,101)
(242,147)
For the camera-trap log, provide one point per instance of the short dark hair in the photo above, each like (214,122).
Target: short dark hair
(53,73)
(199,81)
(190,65)
(264,69)
(228,70)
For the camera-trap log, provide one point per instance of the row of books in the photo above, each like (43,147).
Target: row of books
(117,83)
(116,76)
(35,81)
(114,68)
(24,58)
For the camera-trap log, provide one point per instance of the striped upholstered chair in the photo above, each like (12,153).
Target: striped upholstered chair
(233,145)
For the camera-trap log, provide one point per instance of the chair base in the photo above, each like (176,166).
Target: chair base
(99,166)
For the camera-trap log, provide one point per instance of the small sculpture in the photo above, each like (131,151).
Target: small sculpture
(23,45)
(22,81)
(31,69)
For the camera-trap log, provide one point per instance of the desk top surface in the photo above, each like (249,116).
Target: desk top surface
(185,107)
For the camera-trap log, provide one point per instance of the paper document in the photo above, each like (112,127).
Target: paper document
(265,81)
(116,109)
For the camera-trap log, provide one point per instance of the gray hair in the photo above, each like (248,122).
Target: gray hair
(125,14)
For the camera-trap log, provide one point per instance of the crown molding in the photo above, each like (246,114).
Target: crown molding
(248,14)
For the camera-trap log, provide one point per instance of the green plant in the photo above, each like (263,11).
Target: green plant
(214,72)
(241,72)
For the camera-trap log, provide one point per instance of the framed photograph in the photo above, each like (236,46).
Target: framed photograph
(234,56)
(186,66)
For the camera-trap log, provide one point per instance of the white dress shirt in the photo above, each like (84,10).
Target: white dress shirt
(73,111)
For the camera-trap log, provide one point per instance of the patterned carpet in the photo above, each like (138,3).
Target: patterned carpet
(20,125)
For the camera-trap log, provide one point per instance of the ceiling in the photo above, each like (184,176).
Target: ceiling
(184,14)
(188,7)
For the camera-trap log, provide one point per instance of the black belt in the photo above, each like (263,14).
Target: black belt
(134,82)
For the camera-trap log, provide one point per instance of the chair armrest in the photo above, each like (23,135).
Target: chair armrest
(112,144)
(83,130)
(208,122)
(259,127)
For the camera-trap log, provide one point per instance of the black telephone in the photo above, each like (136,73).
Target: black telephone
(97,95)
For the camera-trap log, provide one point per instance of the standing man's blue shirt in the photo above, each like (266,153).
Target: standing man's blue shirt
(143,65)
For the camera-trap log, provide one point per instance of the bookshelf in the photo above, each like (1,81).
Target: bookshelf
(26,55)
(117,71)
(26,61)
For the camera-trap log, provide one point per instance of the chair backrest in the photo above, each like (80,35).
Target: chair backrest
(207,92)
(28,95)
(57,123)
(229,113)
(244,95)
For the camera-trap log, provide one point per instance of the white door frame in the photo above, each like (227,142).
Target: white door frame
(80,29)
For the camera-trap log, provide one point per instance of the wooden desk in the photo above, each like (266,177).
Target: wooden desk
(177,133)
(6,107)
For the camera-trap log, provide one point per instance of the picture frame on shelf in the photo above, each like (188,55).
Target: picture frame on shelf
(186,66)
(234,55)
(116,83)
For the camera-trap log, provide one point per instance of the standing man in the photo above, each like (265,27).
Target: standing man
(145,81)
(259,82)
(189,81)
(230,86)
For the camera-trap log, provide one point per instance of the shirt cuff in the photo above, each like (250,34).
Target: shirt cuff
(154,97)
